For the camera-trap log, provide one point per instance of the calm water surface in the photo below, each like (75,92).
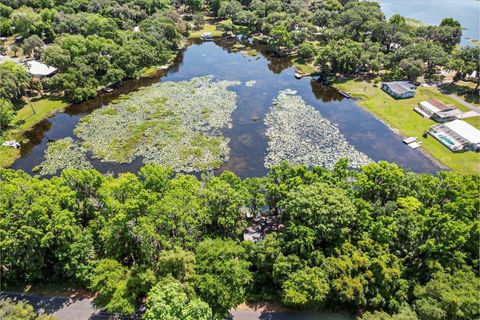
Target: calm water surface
(247,139)
(433,12)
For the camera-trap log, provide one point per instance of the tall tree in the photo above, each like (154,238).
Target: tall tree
(168,300)
(222,275)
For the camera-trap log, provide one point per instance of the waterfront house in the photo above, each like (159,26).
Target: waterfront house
(40,70)
(438,111)
(457,135)
(399,89)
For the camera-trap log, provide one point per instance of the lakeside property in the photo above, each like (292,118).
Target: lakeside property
(399,115)
(32,112)
(262,77)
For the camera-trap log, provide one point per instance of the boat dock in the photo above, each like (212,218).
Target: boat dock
(345,94)
(412,142)
(300,75)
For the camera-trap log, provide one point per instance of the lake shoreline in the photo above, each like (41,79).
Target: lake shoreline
(9,155)
(376,102)
(408,159)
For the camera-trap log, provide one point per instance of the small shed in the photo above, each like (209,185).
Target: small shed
(457,135)
(399,89)
(40,70)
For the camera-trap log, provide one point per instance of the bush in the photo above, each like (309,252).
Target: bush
(198,20)
(306,51)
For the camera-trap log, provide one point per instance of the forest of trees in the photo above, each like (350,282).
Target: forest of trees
(92,43)
(382,242)
(353,36)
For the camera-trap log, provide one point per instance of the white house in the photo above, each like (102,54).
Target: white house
(457,135)
(40,70)
(438,111)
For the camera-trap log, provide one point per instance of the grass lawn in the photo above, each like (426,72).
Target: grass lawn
(148,71)
(25,120)
(475,121)
(302,66)
(210,26)
(399,115)
(415,23)
(44,107)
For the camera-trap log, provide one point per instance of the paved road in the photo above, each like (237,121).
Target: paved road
(64,308)
(466,104)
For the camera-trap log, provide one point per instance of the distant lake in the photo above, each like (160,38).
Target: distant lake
(433,12)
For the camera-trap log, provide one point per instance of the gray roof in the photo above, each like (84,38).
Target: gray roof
(400,87)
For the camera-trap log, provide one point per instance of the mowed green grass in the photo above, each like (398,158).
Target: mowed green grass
(475,121)
(399,115)
(25,119)
(210,26)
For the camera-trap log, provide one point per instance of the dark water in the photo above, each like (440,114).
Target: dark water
(247,139)
(467,12)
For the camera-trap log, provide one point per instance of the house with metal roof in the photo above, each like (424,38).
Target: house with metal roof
(40,70)
(399,89)
(438,111)
(457,135)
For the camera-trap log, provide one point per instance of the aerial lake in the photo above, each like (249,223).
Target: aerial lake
(467,12)
(247,134)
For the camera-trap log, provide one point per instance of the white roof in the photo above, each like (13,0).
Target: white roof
(429,106)
(39,69)
(465,130)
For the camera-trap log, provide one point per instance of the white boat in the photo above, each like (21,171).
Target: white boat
(11,143)
(207,36)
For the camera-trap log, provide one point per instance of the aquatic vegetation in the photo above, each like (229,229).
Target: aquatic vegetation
(177,124)
(64,154)
(237,47)
(250,52)
(299,134)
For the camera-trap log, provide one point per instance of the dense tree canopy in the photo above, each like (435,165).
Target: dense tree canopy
(351,36)
(14,79)
(397,244)
(92,44)
(6,114)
